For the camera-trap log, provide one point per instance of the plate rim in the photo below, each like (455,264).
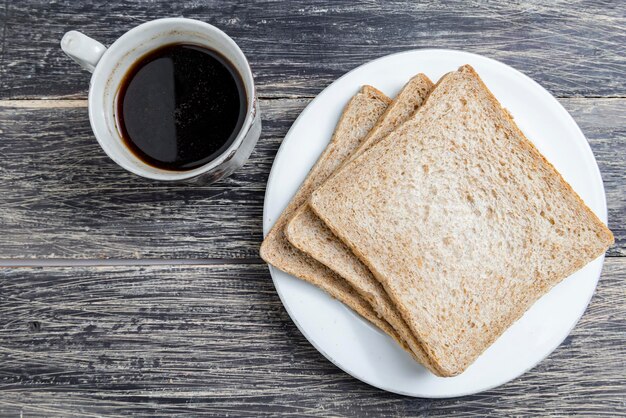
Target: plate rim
(603,215)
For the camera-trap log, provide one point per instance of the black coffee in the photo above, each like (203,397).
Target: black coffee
(180,106)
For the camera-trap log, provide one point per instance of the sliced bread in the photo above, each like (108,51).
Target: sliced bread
(461,219)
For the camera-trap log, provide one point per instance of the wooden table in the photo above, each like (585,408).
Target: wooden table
(124,296)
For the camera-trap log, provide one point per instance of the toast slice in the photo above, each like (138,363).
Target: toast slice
(310,235)
(461,219)
(358,118)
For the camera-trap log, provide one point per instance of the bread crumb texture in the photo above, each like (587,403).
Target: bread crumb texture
(461,219)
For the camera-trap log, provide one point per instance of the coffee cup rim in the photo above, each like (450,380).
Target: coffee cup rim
(101,80)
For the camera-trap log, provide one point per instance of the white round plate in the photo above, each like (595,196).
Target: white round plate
(352,343)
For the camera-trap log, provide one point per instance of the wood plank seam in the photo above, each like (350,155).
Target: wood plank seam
(123,262)
(47,103)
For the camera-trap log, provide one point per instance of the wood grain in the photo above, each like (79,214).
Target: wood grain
(573,48)
(63,198)
(60,186)
(216,339)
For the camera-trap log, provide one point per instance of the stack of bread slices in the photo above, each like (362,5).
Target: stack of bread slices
(434,218)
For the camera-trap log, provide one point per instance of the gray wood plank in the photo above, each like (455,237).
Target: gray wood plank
(216,340)
(296,48)
(63,198)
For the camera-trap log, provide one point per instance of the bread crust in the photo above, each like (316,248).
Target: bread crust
(277,251)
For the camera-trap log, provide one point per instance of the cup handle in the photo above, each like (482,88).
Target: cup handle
(82,49)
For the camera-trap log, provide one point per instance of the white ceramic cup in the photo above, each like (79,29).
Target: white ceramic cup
(109,65)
